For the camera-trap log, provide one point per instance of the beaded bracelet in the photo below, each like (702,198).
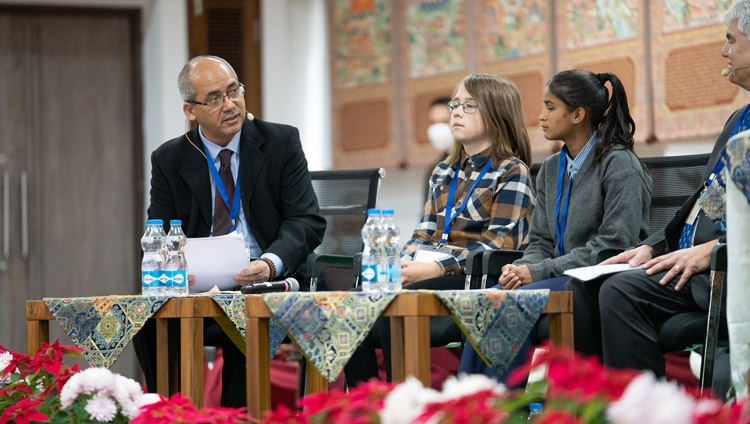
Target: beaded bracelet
(271,267)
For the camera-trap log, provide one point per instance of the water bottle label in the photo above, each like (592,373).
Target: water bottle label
(369,273)
(163,279)
(150,279)
(179,278)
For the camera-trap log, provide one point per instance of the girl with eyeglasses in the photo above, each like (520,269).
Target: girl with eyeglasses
(480,198)
(594,194)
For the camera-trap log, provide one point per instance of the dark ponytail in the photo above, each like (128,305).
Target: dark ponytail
(617,126)
(608,115)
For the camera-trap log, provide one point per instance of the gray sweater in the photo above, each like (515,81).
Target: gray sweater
(608,207)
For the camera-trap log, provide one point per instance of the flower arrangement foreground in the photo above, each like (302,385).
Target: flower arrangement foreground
(576,390)
(43,389)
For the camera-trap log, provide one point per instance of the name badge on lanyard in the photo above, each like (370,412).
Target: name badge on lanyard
(450,214)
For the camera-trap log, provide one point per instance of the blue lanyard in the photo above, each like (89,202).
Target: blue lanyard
(561,221)
(234,207)
(452,194)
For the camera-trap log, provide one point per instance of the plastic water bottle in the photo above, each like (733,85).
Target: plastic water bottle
(535,412)
(392,246)
(371,235)
(176,266)
(153,278)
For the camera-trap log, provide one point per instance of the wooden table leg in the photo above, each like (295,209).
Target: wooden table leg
(417,351)
(398,373)
(314,380)
(37,334)
(163,386)
(258,367)
(191,369)
(561,326)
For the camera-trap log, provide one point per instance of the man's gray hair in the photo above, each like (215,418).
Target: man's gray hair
(187,91)
(740,12)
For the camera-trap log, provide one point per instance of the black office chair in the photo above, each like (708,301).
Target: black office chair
(344,197)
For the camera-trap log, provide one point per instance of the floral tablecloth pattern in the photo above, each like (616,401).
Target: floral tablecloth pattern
(328,326)
(233,306)
(496,322)
(103,325)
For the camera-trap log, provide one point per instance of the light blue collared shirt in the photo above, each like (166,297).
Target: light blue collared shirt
(253,250)
(575,164)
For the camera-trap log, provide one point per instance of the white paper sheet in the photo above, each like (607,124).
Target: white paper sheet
(588,273)
(213,261)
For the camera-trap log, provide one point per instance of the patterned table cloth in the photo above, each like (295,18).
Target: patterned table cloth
(329,326)
(105,325)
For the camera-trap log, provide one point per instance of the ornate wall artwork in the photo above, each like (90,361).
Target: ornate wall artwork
(680,15)
(361,42)
(513,28)
(437,37)
(600,22)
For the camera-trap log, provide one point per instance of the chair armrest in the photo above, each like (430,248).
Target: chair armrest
(493,260)
(717,281)
(719,257)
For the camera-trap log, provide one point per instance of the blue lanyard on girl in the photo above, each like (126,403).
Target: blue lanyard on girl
(452,195)
(234,207)
(561,220)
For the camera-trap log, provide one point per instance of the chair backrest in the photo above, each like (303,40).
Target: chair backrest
(675,179)
(344,197)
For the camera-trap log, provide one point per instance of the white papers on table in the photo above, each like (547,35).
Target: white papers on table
(588,273)
(213,261)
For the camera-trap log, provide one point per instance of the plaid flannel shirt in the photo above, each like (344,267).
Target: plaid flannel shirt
(497,215)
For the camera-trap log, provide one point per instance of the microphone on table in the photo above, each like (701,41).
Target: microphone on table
(287,285)
(726,71)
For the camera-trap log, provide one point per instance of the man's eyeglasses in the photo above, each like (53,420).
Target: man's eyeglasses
(216,100)
(469,107)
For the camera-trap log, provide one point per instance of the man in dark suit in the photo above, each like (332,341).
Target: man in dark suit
(629,306)
(277,214)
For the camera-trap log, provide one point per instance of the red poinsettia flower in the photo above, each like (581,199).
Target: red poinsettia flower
(50,357)
(474,408)
(284,415)
(23,412)
(559,417)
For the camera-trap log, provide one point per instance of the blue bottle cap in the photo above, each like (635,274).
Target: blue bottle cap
(154,222)
(387,212)
(373,211)
(175,222)
(535,406)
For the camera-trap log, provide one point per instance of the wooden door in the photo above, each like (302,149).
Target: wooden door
(70,160)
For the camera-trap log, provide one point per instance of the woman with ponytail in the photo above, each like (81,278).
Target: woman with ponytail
(594,194)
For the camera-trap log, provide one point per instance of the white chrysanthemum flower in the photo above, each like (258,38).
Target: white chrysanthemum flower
(468,384)
(126,392)
(5,359)
(647,400)
(101,407)
(97,379)
(406,402)
(148,399)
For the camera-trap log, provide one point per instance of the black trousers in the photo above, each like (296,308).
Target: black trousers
(618,318)
(233,387)
(363,365)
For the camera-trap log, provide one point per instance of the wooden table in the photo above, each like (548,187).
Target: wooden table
(189,310)
(410,314)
